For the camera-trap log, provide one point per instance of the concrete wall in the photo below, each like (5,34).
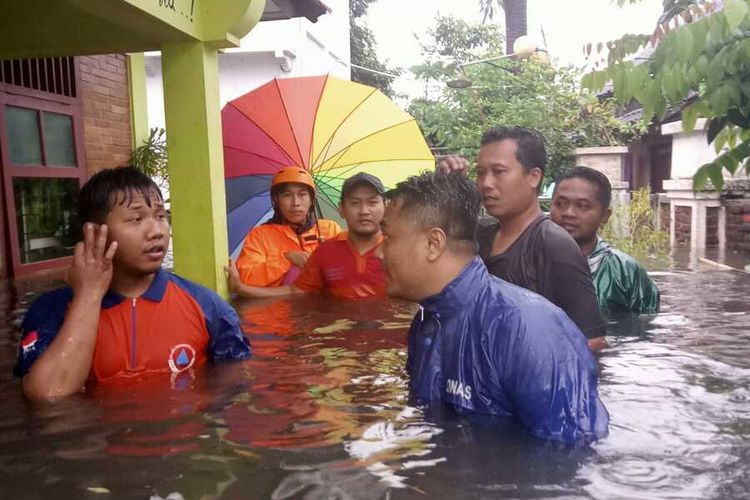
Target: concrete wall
(697,218)
(106,111)
(313,43)
(738,225)
(705,218)
(607,160)
(689,150)
(682,224)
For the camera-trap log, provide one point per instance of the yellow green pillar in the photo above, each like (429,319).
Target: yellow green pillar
(196,162)
(138,98)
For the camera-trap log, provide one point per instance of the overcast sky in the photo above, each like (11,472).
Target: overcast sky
(567,24)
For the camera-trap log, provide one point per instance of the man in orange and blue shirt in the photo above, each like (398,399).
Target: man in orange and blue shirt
(122,317)
(344,266)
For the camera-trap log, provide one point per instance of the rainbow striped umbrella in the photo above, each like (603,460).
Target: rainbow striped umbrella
(334,128)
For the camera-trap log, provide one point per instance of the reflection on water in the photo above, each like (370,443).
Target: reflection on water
(321,412)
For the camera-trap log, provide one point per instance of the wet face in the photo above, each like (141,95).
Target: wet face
(403,253)
(363,210)
(507,188)
(141,232)
(576,208)
(294,201)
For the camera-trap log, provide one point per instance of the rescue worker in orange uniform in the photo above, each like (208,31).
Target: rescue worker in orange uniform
(344,266)
(274,253)
(123,317)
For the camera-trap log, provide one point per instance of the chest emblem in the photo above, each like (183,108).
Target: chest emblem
(181,358)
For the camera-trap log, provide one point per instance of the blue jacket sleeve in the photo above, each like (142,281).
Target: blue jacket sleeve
(228,341)
(40,326)
(551,381)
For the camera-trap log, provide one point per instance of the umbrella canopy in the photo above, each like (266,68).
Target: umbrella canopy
(333,128)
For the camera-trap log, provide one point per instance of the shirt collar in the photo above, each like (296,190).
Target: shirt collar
(154,293)
(601,250)
(344,236)
(458,292)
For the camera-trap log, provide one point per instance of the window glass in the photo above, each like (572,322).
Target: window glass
(58,140)
(46,217)
(23,136)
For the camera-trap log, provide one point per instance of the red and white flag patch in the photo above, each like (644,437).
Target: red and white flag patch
(29,341)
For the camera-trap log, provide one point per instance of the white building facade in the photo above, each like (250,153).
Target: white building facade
(284,48)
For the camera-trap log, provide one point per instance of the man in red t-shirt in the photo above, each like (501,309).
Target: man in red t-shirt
(345,265)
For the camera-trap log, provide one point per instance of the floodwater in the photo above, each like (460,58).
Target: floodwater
(321,411)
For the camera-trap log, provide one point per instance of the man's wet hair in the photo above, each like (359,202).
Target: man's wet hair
(598,179)
(530,150)
(113,186)
(450,202)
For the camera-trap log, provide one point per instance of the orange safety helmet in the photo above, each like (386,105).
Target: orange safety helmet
(296,175)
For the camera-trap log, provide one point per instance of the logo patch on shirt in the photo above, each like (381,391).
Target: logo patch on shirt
(181,358)
(458,389)
(334,273)
(29,341)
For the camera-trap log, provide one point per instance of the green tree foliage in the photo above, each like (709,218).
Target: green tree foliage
(700,59)
(364,50)
(505,92)
(670,7)
(151,157)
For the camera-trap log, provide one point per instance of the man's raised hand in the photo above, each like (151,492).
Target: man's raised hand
(91,271)
(452,163)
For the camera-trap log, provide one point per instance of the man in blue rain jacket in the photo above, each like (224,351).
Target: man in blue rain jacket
(478,343)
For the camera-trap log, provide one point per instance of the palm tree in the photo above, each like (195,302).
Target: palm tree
(515,18)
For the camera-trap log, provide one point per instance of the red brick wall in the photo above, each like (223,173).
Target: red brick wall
(664,216)
(712,226)
(738,225)
(682,221)
(106,110)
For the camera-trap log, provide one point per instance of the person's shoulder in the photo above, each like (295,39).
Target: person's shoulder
(203,295)
(487,226)
(49,307)
(627,262)
(487,222)
(329,226)
(513,297)
(263,229)
(264,234)
(53,300)
(625,258)
(504,300)
(332,244)
(555,240)
(554,233)
(530,312)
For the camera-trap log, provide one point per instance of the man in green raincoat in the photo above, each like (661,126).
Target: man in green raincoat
(580,204)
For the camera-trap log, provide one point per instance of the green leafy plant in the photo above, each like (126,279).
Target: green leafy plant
(151,157)
(599,125)
(364,52)
(699,60)
(505,92)
(632,228)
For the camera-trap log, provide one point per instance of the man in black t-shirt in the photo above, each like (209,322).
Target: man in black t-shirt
(520,244)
